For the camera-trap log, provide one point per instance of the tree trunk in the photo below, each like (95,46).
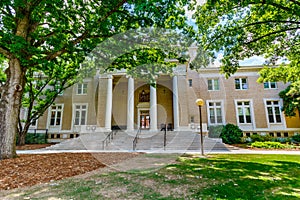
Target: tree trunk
(21,139)
(22,134)
(10,104)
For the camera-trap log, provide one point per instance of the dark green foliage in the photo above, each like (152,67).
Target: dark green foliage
(291,101)
(242,29)
(231,134)
(215,131)
(35,138)
(296,138)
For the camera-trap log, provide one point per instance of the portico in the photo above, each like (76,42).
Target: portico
(131,103)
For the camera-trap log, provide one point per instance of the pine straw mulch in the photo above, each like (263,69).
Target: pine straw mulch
(28,170)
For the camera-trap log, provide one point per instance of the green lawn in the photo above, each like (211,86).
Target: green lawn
(216,177)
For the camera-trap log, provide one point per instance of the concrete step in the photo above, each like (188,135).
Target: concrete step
(90,141)
(175,140)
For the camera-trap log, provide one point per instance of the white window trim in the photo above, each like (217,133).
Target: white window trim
(222,109)
(253,123)
(34,126)
(49,117)
(283,123)
(73,113)
(269,88)
(82,88)
(24,114)
(241,84)
(213,85)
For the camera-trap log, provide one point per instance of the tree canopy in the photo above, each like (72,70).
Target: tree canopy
(40,36)
(241,29)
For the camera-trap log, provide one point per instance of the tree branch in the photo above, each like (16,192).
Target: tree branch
(5,52)
(85,34)
(296,2)
(270,21)
(272,33)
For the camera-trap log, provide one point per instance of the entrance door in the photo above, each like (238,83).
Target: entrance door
(144,119)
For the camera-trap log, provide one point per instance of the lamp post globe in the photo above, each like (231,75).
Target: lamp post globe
(199,102)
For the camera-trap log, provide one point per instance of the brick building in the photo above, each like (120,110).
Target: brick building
(116,101)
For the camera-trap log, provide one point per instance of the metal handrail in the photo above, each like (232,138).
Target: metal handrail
(165,138)
(134,142)
(108,138)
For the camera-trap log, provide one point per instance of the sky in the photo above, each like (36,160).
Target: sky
(254,60)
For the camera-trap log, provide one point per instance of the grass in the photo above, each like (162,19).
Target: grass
(215,177)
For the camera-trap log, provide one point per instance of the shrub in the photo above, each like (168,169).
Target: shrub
(296,138)
(31,138)
(257,138)
(231,134)
(215,131)
(268,145)
(282,140)
(261,138)
(245,140)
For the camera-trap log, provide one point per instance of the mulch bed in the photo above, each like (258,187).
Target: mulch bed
(28,170)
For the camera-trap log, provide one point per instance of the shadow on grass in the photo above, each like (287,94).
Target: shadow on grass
(243,176)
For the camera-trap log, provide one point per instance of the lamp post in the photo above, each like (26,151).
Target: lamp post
(200,103)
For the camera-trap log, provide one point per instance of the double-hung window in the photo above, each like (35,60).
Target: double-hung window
(82,88)
(80,114)
(56,115)
(244,112)
(270,85)
(215,113)
(241,84)
(273,111)
(213,84)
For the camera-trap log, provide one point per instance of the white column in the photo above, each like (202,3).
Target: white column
(153,109)
(108,104)
(175,103)
(130,105)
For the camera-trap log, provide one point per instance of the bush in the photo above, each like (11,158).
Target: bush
(296,138)
(257,138)
(231,134)
(261,138)
(282,140)
(268,145)
(31,138)
(215,131)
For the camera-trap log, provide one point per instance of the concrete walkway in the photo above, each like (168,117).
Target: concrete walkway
(161,151)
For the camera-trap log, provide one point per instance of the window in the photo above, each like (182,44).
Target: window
(33,123)
(241,84)
(56,114)
(190,82)
(215,113)
(80,114)
(243,112)
(192,119)
(82,88)
(273,111)
(270,85)
(213,84)
(58,88)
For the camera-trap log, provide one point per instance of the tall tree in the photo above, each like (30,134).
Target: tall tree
(36,35)
(241,29)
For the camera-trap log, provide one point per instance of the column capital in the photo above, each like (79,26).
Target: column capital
(106,76)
